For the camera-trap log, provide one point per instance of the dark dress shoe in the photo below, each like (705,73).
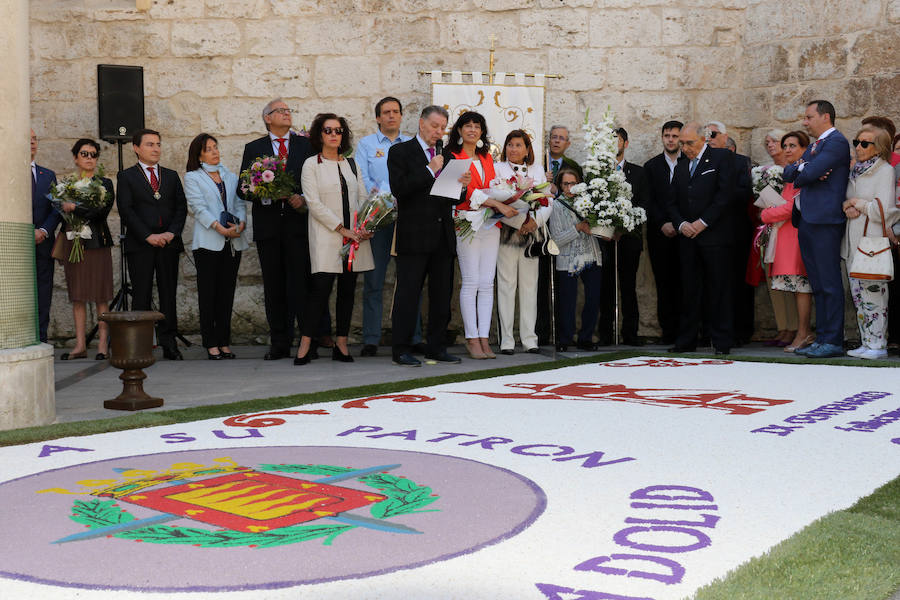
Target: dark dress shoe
(533,351)
(369,350)
(276,354)
(100,356)
(227,355)
(590,346)
(723,350)
(211,356)
(420,348)
(681,349)
(337,355)
(562,348)
(73,356)
(301,360)
(443,357)
(172,354)
(406,360)
(507,351)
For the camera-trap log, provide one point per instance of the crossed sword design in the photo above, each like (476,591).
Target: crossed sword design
(348,519)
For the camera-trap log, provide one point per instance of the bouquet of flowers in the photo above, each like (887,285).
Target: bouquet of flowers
(267,179)
(767,185)
(518,192)
(378,211)
(87,192)
(604,198)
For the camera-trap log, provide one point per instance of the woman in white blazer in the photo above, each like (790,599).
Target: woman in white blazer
(515,271)
(334,192)
(219,223)
(871,177)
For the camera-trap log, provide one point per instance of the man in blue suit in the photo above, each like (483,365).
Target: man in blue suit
(45,219)
(821,176)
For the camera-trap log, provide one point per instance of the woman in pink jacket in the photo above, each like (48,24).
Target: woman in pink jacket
(787,272)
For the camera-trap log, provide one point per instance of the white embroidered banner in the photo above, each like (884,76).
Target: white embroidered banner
(505,107)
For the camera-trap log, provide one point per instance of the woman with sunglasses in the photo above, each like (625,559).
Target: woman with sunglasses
(477,254)
(89,280)
(334,192)
(787,272)
(871,179)
(219,222)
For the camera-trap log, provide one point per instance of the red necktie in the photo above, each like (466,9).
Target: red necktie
(282,149)
(154,183)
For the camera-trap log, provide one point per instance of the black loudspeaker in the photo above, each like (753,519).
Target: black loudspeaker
(120,101)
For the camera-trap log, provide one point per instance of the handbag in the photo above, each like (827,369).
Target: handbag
(541,246)
(872,260)
(59,248)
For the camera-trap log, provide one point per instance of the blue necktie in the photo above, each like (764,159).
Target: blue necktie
(693,166)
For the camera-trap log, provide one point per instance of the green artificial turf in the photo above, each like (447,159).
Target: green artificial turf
(852,554)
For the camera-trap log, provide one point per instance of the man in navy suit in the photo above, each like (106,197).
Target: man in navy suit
(45,219)
(821,175)
(151,202)
(426,240)
(280,230)
(700,208)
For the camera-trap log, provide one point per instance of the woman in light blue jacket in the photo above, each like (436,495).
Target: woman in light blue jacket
(219,222)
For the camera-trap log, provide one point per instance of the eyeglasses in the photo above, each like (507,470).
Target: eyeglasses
(283,111)
(86,154)
(713,134)
(862,143)
(334,130)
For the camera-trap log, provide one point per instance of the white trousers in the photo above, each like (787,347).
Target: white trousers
(477,266)
(514,271)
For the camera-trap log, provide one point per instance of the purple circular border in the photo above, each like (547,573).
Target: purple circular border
(525,524)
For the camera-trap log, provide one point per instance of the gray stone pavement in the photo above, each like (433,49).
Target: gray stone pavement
(83,385)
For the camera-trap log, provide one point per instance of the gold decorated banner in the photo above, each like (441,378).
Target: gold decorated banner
(518,104)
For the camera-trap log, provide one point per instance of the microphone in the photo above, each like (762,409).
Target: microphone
(439,147)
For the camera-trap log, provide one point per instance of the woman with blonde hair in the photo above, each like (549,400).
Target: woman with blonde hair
(871,203)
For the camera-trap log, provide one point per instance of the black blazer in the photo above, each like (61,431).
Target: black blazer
(657,172)
(708,195)
(422,219)
(96,219)
(640,190)
(270,221)
(143,214)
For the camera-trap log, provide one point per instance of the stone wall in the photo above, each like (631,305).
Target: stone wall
(210,65)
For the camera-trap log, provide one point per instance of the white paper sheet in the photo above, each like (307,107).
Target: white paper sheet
(447,185)
(768,198)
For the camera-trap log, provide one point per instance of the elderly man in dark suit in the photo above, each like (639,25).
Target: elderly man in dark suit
(662,237)
(700,208)
(426,239)
(626,260)
(821,175)
(280,230)
(151,202)
(46,219)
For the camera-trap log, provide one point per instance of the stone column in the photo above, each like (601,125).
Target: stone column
(27,395)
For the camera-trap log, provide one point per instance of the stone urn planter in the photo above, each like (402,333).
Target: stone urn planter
(131,349)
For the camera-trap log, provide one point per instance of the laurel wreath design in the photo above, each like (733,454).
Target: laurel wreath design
(404,497)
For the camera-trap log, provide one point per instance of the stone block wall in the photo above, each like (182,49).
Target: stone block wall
(210,65)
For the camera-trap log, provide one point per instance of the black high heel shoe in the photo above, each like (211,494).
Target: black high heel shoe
(301,360)
(212,356)
(227,355)
(337,355)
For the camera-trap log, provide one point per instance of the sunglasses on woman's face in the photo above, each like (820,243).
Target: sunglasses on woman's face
(86,154)
(862,143)
(334,130)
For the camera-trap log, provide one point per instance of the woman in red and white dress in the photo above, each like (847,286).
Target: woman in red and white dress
(515,271)
(477,253)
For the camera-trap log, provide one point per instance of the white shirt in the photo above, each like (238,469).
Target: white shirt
(672,164)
